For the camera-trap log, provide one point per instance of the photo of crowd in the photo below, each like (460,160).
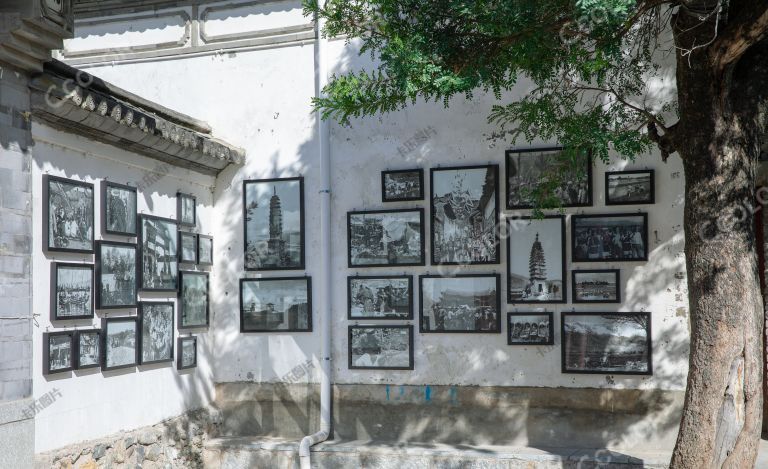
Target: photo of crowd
(609,238)
(530,329)
(529,169)
(465,303)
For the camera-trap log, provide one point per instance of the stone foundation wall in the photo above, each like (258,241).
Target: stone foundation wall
(173,443)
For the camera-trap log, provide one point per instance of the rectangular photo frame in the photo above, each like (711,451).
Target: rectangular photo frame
(531,328)
(402,185)
(385,238)
(186,209)
(536,270)
(116,275)
(461,304)
(636,187)
(614,237)
(380,347)
(606,343)
(58,352)
(278,304)
(187,355)
(68,215)
(119,211)
(596,286)
(204,250)
(71,291)
(87,349)
(525,169)
(158,254)
(194,300)
(156,332)
(386,297)
(119,343)
(187,248)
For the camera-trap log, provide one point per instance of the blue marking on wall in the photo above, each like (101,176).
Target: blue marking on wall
(453,393)
(387,392)
(428,393)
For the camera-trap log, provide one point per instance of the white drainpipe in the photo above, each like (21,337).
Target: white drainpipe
(324,293)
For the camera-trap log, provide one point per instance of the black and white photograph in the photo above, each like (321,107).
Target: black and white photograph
(402,185)
(596,286)
(87,353)
(382,238)
(58,352)
(465,215)
(630,187)
(204,250)
(280,304)
(615,237)
(187,248)
(71,291)
(468,303)
(381,347)
(118,209)
(159,254)
(187,354)
(530,328)
(606,343)
(273,211)
(68,211)
(156,325)
(115,275)
(186,209)
(193,300)
(536,260)
(119,343)
(528,172)
(385,297)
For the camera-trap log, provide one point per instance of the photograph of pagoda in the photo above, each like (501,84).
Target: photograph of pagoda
(536,253)
(274,224)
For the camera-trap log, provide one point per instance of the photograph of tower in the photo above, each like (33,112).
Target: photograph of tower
(536,250)
(274,224)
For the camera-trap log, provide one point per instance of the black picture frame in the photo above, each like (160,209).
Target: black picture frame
(182,324)
(576,255)
(78,364)
(422,245)
(617,285)
(527,151)
(248,264)
(644,323)
(180,355)
(525,314)
(649,200)
(171,257)
(352,279)
(309,311)
(497,303)
(48,353)
(181,197)
(187,235)
(420,174)
(56,278)
(350,334)
(493,171)
(105,325)
(131,210)
(142,318)
(203,239)
(101,304)
(48,213)
(511,233)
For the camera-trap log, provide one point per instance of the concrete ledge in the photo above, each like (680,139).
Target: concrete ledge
(17,435)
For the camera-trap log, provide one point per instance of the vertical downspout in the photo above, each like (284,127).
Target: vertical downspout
(323,137)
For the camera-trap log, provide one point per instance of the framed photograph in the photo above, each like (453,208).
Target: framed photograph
(527,169)
(159,255)
(187,356)
(186,209)
(87,353)
(630,187)
(606,343)
(187,248)
(465,215)
(58,352)
(536,260)
(614,237)
(193,300)
(467,303)
(530,328)
(119,343)
(71,291)
(116,283)
(273,211)
(381,347)
(119,215)
(596,286)
(385,238)
(280,304)
(204,250)
(385,297)
(156,326)
(402,185)
(68,211)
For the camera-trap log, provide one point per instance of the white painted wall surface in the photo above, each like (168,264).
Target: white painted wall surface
(95,403)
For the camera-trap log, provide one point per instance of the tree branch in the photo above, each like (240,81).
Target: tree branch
(745,29)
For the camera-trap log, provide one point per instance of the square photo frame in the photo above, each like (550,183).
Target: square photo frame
(71,291)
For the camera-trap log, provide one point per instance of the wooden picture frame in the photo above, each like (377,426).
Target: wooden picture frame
(588,238)
(426,319)
(180,345)
(112,222)
(516,336)
(645,190)
(357,239)
(64,356)
(183,257)
(379,296)
(204,258)
(79,349)
(371,348)
(105,297)
(149,254)
(75,298)
(108,343)
(182,216)
(387,180)
(538,248)
(56,227)
(146,323)
(183,322)
(267,299)
(615,273)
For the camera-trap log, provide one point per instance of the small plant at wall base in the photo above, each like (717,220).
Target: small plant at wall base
(590,62)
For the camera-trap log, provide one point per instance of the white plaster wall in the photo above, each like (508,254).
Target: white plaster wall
(95,403)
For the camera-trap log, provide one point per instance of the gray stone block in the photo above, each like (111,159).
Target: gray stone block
(15,390)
